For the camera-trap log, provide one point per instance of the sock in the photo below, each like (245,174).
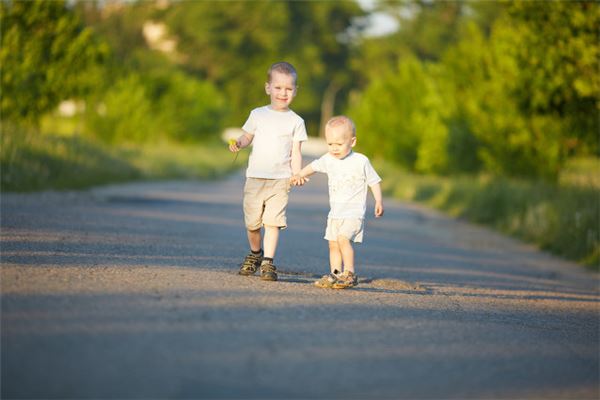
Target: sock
(268,259)
(256,253)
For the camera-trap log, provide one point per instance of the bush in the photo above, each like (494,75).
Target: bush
(157,105)
(189,109)
(125,113)
(400,117)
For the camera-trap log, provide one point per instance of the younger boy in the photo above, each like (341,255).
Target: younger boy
(348,174)
(276,133)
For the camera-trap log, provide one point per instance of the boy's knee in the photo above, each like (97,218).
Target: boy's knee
(333,245)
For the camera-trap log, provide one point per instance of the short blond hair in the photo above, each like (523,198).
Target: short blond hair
(284,68)
(342,120)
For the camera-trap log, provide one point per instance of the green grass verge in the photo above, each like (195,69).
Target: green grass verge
(563,219)
(31,162)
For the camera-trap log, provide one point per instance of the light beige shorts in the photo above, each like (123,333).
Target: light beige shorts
(351,228)
(265,201)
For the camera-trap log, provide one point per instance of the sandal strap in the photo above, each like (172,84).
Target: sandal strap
(268,267)
(250,262)
(249,267)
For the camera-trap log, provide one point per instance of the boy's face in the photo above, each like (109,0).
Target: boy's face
(339,140)
(281,89)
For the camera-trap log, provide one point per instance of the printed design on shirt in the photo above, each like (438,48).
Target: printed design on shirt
(345,184)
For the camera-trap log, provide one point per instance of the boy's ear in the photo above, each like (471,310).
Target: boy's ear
(267,88)
(353,141)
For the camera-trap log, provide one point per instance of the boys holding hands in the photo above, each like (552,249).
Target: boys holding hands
(277,134)
(349,174)
(275,163)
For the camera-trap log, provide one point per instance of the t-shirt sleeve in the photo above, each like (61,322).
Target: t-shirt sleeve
(300,131)
(372,177)
(250,125)
(319,165)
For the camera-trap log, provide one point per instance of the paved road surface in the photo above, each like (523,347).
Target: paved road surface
(131,291)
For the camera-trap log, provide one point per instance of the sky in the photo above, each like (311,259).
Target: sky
(380,23)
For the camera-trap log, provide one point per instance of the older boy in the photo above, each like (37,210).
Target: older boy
(276,133)
(348,174)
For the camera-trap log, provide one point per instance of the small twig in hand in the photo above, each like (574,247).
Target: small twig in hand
(232,142)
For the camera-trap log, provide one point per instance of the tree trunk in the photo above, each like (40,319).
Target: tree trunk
(327,105)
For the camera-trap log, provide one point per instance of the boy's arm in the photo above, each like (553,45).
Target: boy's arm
(296,157)
(376,190)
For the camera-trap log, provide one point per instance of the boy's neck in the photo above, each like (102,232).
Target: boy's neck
(347,155)
(278,110)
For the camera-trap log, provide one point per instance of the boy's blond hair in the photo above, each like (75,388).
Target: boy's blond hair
(342,120)
(284,68)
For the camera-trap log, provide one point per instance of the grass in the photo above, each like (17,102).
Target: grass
(31,162)
(562,218)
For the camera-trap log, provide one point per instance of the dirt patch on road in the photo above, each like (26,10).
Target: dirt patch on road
(396,284)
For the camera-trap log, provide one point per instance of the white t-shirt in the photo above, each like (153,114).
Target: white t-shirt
(274,132)
(348,180)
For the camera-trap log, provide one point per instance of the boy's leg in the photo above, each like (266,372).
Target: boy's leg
(347,253)
(335,257)
(253,260)
(273,220)
(335,265)
(267,269)
(347,278)
(254,239)
(253,206)
(270,240)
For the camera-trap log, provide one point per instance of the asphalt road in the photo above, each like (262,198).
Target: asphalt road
(131,291)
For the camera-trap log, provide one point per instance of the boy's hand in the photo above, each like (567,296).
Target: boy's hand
(234,146)
(378,209)
(298,181)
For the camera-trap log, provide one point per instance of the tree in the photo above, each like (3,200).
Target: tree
(558,55)
(47,55)
(233,43)
(322,46)
(230,44)
(400,117)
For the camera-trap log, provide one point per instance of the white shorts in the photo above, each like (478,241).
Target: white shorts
(351,229)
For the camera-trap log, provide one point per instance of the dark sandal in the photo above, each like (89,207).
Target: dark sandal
(250,264)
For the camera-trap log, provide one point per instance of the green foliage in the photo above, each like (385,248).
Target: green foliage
(558,54)
(189,109)
(484,75)
(124,113)
(233,43)
(47,55)
(321,45)
(514,94)
(120,24)
(400,117)
(160,104)
(428,27)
